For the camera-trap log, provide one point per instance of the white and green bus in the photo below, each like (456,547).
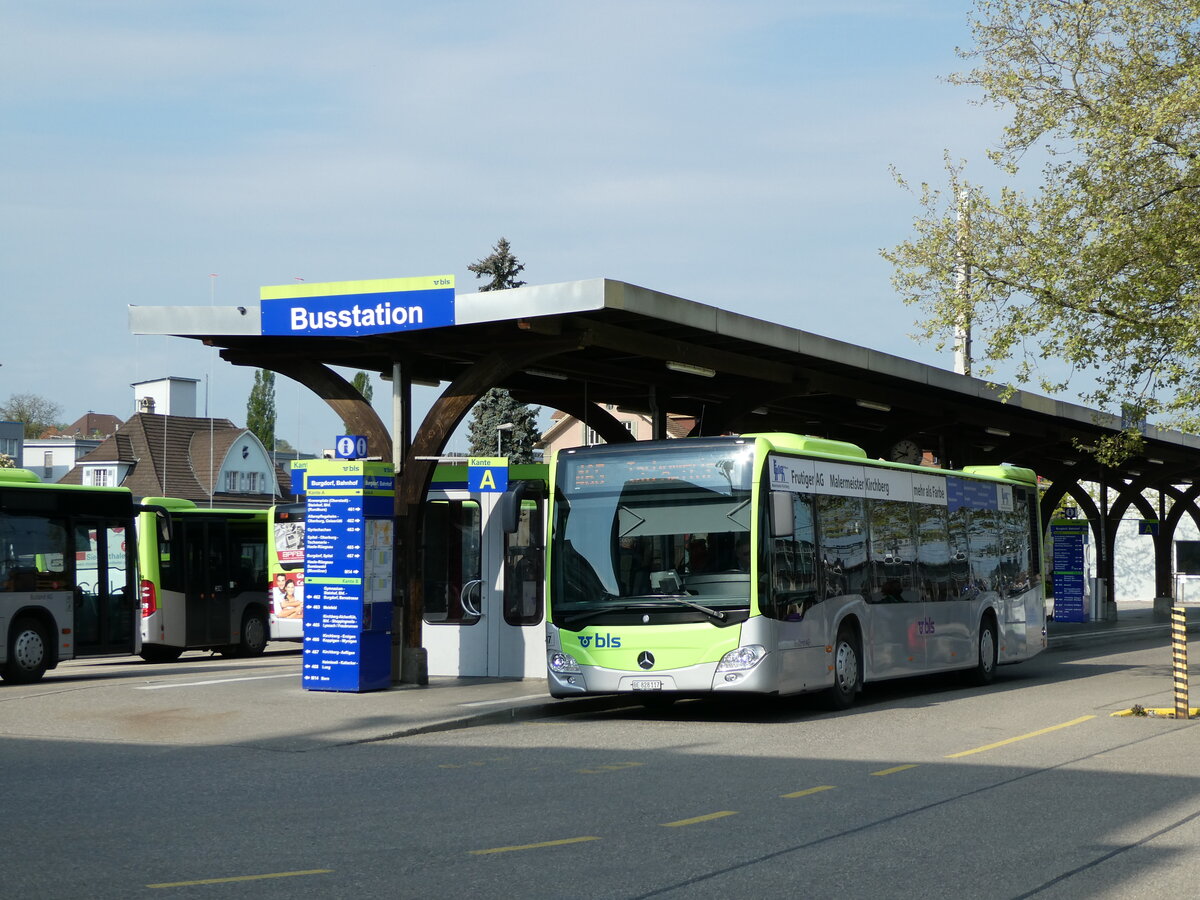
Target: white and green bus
(67,574)
(782,564)
(203,579)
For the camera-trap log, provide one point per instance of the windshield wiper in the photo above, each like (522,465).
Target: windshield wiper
(707,610)
(601,610)
(644,605)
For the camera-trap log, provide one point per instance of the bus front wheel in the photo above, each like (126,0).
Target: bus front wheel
(847,654)
(985,667)
(28,652)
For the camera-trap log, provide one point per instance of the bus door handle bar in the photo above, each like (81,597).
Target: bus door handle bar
(464,597)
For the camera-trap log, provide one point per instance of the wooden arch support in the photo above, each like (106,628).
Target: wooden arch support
(341,396)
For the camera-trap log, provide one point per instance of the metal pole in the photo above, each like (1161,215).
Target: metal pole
(962,287)
(1179,660)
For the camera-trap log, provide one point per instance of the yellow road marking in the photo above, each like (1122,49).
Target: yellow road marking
(577,840)
(171,884)
(1022,737)
(615,767)
(1162,711)
(698,819)
(807,791)
(895,769)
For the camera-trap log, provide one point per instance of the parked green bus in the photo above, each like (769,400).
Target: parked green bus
(67,574)
(203,579)
(781,564)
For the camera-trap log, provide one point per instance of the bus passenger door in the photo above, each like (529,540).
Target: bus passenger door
(900,630)
(454,631)
(206,582)
(104,596)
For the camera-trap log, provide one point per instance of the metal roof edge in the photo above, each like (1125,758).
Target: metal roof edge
(199,320)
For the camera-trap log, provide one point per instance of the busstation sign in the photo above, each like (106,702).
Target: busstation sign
(355,308)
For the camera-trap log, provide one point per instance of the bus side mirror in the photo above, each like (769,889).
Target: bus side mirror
(510,507)
(511,502)
(783,522)
(162,520)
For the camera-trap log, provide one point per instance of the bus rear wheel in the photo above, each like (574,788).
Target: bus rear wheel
(28,652)
(847,654)
(253,635)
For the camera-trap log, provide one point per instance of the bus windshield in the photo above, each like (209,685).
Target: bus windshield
(662,530)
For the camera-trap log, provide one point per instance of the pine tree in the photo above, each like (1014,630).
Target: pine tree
(500,266)
(497,407)
(260,408)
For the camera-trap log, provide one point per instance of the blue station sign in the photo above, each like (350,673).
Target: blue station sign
(487,474)
(354,308)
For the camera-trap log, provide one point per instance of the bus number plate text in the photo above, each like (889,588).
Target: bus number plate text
(644,685)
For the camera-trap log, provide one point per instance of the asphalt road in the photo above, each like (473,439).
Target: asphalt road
(926,789)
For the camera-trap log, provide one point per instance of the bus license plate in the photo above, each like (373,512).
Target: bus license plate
(644,685)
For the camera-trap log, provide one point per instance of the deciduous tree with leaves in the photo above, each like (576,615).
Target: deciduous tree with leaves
(260,408)
(362,384)
(1098,267)
(34,411)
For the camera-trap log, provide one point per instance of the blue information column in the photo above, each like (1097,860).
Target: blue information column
(348,575)
(1069,570)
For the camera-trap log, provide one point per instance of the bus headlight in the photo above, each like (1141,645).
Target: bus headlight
(563,663)
(742,658)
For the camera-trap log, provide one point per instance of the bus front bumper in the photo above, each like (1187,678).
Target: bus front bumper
(693,680)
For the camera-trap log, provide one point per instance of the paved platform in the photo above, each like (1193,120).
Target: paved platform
(1135,621)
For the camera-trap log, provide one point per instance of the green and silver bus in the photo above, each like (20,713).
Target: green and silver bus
(67,574)
(782,564)
(203,579)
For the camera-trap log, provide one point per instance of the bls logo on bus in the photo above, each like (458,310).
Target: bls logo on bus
(610,641)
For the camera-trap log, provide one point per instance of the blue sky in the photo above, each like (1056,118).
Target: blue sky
(733,153)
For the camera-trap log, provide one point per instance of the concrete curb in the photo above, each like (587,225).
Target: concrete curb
(522,711)
(1114,636)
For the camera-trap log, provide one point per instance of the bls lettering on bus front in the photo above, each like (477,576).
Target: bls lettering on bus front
(599,641)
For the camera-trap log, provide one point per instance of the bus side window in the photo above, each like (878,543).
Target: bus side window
(793,565)
(843,544)
(893,553)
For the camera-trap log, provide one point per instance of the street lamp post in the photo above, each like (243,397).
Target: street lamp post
(507,426)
